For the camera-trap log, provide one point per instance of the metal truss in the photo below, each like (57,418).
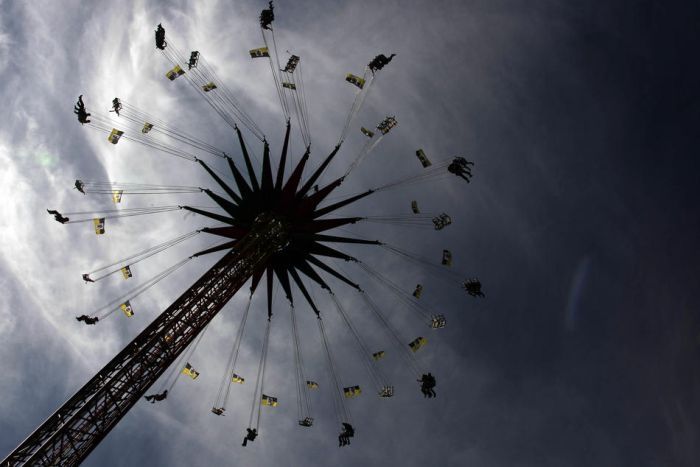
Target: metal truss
(74,430)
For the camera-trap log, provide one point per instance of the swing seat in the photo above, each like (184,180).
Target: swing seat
(438,322)
(307,422)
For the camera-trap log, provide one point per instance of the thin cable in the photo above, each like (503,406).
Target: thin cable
(257,395)
(225,386)
(187,356)
(223,103)
(421,261)
(406,353)
(366,356)
(114,305)
(140,256)
(129,212)
(278,87)
(342,412)
(396,290)
(239,339)
(303,401)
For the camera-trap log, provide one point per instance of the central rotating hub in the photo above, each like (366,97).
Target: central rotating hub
(270,230)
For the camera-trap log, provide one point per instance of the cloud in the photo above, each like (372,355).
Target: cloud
(519,89)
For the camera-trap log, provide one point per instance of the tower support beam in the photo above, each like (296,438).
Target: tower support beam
(68,436)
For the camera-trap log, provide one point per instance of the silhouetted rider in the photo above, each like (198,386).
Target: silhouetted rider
(87,319)
(80,111)
(345,435)
(160,38)
(250,435)
(267,16)
(58,216)
(153,398)
(461,167)
(473,288)
(379,62)
(427,385)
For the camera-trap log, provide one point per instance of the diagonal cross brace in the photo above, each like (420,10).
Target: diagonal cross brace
(75,429)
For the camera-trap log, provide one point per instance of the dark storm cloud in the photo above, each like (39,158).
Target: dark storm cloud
(578,117)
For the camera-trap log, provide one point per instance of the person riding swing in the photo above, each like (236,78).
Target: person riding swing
(153,398)
(160,38)
(80,111)
(427,385)
(345,435)
(89,320)
(58,216)
(379,62)
(267,16)
(251,434)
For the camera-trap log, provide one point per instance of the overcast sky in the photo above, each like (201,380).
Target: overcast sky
(581,222)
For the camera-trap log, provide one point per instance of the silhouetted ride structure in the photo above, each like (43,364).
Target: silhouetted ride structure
(272,225)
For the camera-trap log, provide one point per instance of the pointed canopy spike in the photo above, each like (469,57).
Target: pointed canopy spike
(326,224)
(309,183)
(283,277)
(243,187)
(290,187)
(218,217)
(223,246)
(269,293)
(246,157)
(257,275)
(304,292)
(332,272)
(267,170)
(336,239)
(234,196)
(230,232)
(283,160)
(311,273)
(227,205)
(310,203)
(323,250)
(340,204)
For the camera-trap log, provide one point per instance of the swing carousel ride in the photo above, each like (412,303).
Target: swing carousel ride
(272,226)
